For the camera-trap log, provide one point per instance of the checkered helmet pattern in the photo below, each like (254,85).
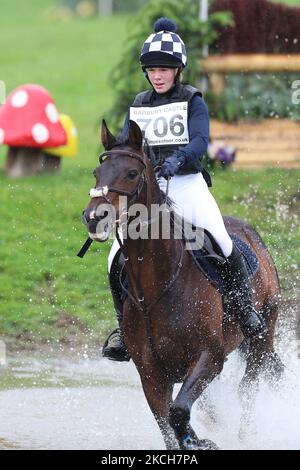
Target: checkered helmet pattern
(164,45)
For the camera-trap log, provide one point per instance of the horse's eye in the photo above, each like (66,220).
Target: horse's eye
(132,174)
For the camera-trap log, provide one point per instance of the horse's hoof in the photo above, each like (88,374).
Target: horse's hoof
(206,444)
(188,443)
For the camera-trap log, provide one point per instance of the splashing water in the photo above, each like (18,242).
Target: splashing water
(276,415)
(96,404)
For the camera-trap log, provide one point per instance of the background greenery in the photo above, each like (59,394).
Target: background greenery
(293,3)
(46,292)
(255,96)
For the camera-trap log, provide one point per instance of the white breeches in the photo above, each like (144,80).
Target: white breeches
(194,202)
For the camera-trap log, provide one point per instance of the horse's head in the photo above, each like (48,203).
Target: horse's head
(119,179)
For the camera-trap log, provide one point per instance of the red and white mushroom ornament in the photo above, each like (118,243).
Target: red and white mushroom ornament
(29,118)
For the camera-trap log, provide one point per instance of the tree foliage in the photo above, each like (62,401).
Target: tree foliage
(255,96)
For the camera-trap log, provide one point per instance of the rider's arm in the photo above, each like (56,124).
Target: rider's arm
(198,123)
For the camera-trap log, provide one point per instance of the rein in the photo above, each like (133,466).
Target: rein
(102,192)
(137,298)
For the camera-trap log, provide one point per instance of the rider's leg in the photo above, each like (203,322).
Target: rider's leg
(183,190)
(114,347)
(194,202)
(239,286)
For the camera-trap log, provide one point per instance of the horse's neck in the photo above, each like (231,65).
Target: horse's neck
(151,264)
(152,261)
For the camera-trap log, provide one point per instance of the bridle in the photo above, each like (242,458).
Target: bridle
(104,190)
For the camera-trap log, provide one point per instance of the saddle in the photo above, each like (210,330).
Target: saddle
(210,260)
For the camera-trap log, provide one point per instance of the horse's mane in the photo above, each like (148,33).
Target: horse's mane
(122,139)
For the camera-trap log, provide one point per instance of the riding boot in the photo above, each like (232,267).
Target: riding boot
(114,347)
(238,284)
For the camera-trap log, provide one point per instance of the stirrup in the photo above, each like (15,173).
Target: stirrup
(114,348)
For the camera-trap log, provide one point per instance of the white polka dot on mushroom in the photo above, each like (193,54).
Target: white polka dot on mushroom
(74,131)
(51,113)
(1,136)
(19,99)
(40,133)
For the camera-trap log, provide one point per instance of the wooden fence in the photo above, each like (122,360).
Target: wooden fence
(270,142)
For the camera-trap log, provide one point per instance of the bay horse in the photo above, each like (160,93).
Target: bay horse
(173,316)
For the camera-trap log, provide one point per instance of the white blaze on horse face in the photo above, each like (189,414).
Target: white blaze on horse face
(98,192)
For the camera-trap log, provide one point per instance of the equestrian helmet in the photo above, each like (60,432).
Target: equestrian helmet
(164,47)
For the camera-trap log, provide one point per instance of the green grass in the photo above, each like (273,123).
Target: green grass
(41,232)
(41,229)
(293,3)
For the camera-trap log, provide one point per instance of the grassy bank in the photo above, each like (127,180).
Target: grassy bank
(44,286)
(46,291)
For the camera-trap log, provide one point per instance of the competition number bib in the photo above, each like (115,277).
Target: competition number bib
(163,125)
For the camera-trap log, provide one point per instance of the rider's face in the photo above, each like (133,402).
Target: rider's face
(161,78)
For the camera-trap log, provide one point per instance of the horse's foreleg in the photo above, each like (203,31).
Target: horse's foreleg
(159,396)
(200,375)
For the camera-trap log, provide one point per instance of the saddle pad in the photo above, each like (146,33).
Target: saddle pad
(211,266)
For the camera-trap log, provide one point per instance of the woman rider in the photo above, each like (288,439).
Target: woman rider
(163,58)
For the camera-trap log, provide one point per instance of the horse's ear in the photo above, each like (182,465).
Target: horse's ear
(135,135)
(108,140)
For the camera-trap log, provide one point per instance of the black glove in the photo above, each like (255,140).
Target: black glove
(170,166)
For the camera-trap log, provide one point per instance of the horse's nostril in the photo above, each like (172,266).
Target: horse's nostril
(90,218)
(85,217)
